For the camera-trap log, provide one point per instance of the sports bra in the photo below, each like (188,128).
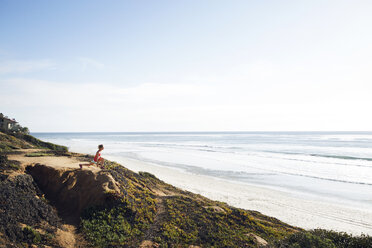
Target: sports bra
(98,155)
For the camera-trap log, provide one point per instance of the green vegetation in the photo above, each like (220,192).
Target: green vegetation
(37,154)
(22,204)
(42,144)
(179,220)
(10,142)
(126,215)
(320,238)
(6,164)
(306,239)
(109,165)
(31,235)
(213,224)
(111,226)
(191,222)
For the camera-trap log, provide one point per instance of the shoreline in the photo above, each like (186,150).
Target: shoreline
(307,214)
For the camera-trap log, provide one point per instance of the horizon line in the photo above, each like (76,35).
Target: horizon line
(254,131)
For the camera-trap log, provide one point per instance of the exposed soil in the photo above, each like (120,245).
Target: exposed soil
(72,190)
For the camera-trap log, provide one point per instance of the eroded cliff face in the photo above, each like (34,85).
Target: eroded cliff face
(72,190)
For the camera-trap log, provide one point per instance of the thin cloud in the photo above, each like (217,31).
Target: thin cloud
(87,63)
(25,66)
(171,107)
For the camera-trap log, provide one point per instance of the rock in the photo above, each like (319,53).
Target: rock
(148,244)
(216,209)
(259,240)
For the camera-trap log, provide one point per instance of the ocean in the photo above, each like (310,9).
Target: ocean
(326,166)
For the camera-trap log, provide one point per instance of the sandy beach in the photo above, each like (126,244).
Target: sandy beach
(308,214)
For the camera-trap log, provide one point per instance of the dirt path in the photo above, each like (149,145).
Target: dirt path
(156,225)
(52,160)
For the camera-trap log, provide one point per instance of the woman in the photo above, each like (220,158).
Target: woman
(98,160)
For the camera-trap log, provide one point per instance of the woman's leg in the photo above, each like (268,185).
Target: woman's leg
(101,162)
(81,165)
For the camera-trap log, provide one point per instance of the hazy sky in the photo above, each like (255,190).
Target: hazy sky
(191,65)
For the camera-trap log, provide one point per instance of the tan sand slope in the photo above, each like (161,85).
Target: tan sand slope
(72,190)
(52,161)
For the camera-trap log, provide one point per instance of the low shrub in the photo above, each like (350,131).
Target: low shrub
(16,194)
(110,226)
(6,164)
(305,240)
(344,240)
(31,235)
(42,144)
(321,238)
(8,142)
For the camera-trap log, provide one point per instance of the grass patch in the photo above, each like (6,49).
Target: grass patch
(189,222)
(42,144)
(31,235)
(9,143)
(111,226)
(37,154)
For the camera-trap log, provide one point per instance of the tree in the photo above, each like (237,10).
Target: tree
(25,130)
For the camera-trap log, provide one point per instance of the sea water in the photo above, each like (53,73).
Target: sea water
(328,166)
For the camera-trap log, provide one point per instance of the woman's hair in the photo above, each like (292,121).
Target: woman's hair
(100,146)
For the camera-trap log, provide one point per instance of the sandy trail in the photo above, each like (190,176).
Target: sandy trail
(53,161)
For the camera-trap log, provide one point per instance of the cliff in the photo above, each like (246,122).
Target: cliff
(47,201)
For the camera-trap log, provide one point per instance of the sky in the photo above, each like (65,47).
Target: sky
(187,65)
